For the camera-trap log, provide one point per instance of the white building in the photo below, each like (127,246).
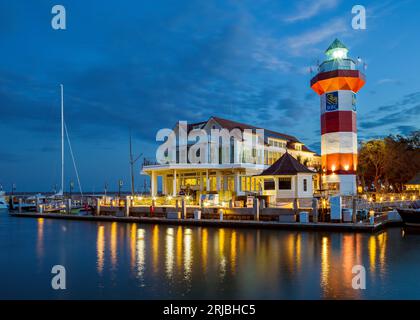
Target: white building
(233,175)
(287,179)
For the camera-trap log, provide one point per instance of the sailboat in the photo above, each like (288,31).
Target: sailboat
(57,201)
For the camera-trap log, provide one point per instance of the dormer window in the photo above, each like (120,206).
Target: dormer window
(277,143)
(298,147)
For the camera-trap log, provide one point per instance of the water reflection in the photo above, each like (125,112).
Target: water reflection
(100,248)
(240,260)
(325,264)
(221,255)
(40,237)
(382,244)
(155,248)
(212,263)
(133,243)
(230,253)
(372,253)
(188,254)
(204,246)
(169,252)
(179,247)
(233,252)
(113,244)
(141,251)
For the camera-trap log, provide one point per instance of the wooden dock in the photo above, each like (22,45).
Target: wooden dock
(319,226)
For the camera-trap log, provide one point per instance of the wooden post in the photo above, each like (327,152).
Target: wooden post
(68,206)
(20,205)
(295,205)
(256,209)
(127,206)
(183,209)
(354,215)
(98,206)
(314,210)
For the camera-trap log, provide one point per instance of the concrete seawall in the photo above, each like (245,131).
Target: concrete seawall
(330,227)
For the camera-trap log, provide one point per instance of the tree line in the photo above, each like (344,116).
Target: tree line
(387,164)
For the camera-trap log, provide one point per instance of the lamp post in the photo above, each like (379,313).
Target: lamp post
(120,184)
(132,162)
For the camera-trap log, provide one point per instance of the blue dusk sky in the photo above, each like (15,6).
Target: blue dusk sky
(147,64)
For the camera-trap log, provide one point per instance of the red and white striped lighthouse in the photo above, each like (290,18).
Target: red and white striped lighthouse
(337,83)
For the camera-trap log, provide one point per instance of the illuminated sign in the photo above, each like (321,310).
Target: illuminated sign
(332,101)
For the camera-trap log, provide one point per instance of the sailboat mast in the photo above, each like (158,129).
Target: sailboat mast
(62,138)
(131,167)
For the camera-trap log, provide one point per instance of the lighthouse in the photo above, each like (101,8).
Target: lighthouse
(337,83)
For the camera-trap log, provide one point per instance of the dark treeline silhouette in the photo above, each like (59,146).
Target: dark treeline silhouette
(387,164)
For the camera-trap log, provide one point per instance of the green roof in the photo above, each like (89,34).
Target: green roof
(335,45)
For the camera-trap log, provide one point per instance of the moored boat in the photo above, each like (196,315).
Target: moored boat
(411,216)
(3,202)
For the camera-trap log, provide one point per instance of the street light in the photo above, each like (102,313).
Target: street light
(105,188)
(120,184)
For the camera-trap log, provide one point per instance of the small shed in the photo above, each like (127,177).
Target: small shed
(286,180)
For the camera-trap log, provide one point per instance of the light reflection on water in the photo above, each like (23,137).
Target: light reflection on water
(100,248)
(169,252)
(138,261)
(40,238)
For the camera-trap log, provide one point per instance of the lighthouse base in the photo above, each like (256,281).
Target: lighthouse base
(341,184)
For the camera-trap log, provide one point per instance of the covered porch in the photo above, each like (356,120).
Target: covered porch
(225,181)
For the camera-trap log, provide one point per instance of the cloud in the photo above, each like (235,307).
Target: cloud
(388,81)
(305,42)
(400,114)
(273,63)
(393,118)
(309,8)
(405,130)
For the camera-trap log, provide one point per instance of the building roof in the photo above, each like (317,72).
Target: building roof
(335,45)
(415,180)
(230,125)
(286,165)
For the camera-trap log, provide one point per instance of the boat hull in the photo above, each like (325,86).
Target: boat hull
(411,217)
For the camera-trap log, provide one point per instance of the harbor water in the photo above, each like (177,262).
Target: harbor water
(110,260)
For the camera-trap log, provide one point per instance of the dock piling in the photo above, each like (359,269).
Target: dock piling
(256,209)
(183,209)
(68,206)
(127,206)
(354,204)
(98,206)
(315,210)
